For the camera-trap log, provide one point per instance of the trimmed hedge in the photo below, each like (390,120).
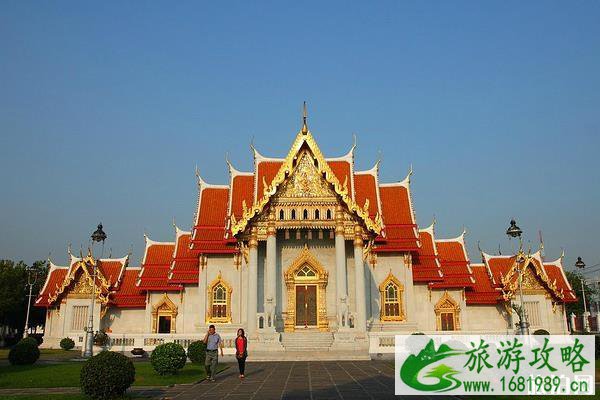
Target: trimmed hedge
(197,352)
(26,352)
(67,343)
(168,358)
(106,375)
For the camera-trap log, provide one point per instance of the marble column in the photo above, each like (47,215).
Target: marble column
(360,320)
(271,272)
(252,280)
(340,270)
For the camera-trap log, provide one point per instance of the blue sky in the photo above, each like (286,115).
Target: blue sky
(105,109)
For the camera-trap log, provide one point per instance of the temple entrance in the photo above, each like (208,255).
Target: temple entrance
(306,282)
(164,324)
(306,306)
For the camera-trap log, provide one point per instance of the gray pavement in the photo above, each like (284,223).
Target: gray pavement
(300,380)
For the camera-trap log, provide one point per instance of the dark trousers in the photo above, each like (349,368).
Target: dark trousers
(242,364)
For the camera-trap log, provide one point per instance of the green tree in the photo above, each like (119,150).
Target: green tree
(14,290)
(574,278)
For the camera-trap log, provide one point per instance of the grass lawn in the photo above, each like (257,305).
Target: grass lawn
(48,354)
(67,375)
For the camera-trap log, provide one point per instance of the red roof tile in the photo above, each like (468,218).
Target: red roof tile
(243,190)
(184,268)
(268,170)
(366,188)
(425,263)
(54,279)
(208,235)
(127,293)
(341,170)
(400,228)
(482,291)
(155,267)
(555,273)
(454,263)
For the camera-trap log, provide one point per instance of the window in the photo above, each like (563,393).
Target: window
(293,214)
(79,318)
(447,319)
(447,313)
(220,301)
(164,324)
(532,309)
(305,214)
(164,316)
(306,272)
(317,215)
(391,291)
(392,302)
(281,214)
(328,214)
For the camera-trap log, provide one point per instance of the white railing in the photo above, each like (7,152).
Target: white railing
(126,342)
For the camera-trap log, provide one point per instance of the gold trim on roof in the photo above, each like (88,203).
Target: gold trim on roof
(511,280)
(374,225)
(102,285)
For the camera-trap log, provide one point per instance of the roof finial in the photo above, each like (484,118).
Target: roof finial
(304,116)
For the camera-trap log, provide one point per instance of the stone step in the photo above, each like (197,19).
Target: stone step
(307,355)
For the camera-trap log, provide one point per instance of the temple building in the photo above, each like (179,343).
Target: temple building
(304,253)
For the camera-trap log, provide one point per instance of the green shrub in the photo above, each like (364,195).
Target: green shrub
(106,375)
(25,352)
(100,338)
(67,343)
(167,358)
(197,352)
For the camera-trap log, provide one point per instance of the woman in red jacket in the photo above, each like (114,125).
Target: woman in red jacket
(241,350)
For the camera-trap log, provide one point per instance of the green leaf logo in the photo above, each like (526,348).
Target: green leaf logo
(412,366)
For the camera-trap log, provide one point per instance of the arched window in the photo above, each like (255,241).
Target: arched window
(281,214)
(220,301)
(447,313)
(305,214)
(293,214)
(328,213)
(391,292)
(317,214)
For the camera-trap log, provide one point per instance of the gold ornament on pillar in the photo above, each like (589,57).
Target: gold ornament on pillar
(358,240)
(253,242)
(271,231)
(339,219)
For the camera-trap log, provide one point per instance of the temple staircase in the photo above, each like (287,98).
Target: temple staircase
(307,345)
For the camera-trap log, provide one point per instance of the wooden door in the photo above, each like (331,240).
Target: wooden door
(306,305)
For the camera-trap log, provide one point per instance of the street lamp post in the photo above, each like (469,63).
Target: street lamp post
(98,236)
(586,323)
(30,282)
(514,231)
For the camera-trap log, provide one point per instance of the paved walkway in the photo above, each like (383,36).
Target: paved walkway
(318,380)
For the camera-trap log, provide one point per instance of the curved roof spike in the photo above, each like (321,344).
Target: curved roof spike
(353,141)
(406,181)
(430,228)
(69,250)
(174,224)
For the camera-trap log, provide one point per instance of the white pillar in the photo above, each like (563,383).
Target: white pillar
(270,293)
(360,321)
(252,280)
(340,270)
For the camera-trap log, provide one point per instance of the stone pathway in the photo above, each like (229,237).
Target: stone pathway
(301,380)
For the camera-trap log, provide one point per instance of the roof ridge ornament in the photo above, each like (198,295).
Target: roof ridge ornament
(304,117)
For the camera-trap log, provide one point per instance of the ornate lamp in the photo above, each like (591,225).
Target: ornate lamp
(99,235)
(514,231)
(581,265)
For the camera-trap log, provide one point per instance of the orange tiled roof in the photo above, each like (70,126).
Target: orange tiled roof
(482,292)
(155,267)
(342,170)
(54,279)
(184,268)
(555,273)
(268,170)
(127,293)
(455,266)
(400,227)
(243,190)
(208,235)
(366,188)
(425,262)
